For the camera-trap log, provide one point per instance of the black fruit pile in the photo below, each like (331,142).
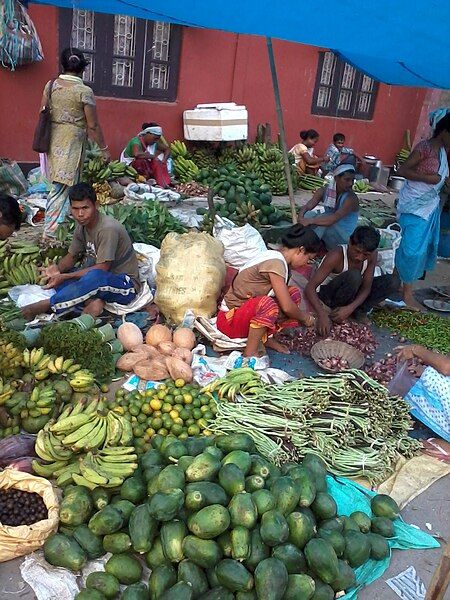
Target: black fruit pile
(21,508)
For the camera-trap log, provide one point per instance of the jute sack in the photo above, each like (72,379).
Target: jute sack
(189,275)
(24,539)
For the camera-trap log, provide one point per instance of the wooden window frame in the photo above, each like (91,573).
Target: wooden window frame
(335,87)
(104,31)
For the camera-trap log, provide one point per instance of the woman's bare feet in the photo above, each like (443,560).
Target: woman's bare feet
(412,303)
(277,346)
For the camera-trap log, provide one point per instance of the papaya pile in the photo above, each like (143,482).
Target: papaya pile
(213,519)
(247,199)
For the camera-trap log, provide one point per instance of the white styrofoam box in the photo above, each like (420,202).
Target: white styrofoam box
(221,121)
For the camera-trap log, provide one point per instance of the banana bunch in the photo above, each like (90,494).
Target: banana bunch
(361,186)
(243,381)
(246,212)
(92,167)
(103,192)
(41,402)
(18,264)
(10,358)
(107,468)
(311,182)
(273,174)
(63,366)
(203,159)
(402,155)
(252,166)
(82,380)
(90,428)
(6,391)
(260,150)
(177,149)
(120,169)
(185,169)
(273,154)
(246,155)
(16,403)
(36,361)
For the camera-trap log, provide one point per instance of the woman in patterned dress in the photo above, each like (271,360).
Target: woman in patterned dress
(73,116)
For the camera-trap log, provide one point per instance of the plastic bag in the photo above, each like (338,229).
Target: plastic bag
(12,180)
(190,275)
(350,497)
(139,192)
(17,541)
(402,381)
(389,242)
(241,244)
(26,294)
(15,446)
(148,257)
(19,41)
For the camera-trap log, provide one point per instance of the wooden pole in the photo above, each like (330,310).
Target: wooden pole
(276,91)
(441,577)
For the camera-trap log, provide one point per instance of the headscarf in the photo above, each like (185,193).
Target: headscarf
(155,130)
(330,193)
(436,115)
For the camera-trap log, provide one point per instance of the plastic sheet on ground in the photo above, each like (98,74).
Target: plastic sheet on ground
(47,582)
(350,497)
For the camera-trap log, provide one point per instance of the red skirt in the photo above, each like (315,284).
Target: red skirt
(152,169)
(258,312)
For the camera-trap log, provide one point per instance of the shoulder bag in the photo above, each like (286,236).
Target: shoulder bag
(42,133)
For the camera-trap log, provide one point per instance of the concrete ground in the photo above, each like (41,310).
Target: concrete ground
(432,507)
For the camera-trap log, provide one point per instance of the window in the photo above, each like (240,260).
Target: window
(342,91)
(129,57)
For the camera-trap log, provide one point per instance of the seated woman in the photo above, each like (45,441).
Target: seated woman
(147,163)
(430,396)
(344,284)
(259,302)
(337,223)
(305,159)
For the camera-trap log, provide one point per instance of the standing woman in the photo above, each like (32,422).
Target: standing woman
(305,159)
(426,171)
(73,117)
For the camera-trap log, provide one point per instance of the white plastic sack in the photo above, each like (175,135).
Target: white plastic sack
(187,216)
(241,244)
(148,257)
(139,192)
(390,239)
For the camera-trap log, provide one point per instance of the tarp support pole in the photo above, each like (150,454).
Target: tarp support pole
(287,166)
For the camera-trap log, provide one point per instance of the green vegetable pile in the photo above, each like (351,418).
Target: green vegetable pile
(85,347)
(148,222)
(247,198)
(215,520)
(426,329)
(349,419)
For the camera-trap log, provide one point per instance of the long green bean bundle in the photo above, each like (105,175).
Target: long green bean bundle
(349,419)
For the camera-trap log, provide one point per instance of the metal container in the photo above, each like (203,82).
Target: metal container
(371,160)
(396,183)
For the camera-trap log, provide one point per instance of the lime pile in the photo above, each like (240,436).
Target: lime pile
(175,408)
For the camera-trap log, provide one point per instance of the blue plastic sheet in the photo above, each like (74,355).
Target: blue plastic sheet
(350,497)
(398,42)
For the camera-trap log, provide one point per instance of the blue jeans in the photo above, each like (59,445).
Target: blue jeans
(95,284)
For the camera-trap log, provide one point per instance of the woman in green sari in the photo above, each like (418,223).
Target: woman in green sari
(73,117)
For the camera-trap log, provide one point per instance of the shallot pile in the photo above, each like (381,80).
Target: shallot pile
(191,189)
(383,370)
(334,363)
(357,335)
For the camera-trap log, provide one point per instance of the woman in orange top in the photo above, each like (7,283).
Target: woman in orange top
(305,159)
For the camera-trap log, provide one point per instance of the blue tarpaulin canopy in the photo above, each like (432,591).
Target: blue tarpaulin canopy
(403,42)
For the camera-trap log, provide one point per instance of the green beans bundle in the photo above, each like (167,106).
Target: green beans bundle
(350,419)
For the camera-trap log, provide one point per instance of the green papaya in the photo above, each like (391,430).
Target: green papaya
(126,568)
(105,583)
(324,506)
(271,579)
(264,501)
(63,551)
(379,547)
(232,479)
(133,489)
(204,553)
(322,559)
(335,538)
(233,576)
(362,520)
(172,536)
(235,441)
(76,507)
(306,483)
(274,528)
(209,522)
(125,507)
(259,551)
(88,594)
(240,543)
(164,506)
(107,520)
(194,576)
(155,556)
(383,526)
(135,591)
(142,529)
(299,587)
(383,505)
(292,558)
(117,543)
(345,579)
(204,493)
(100,497)
(91,543)
(203,468)
(240,458)
(300,529)
(180,591)
(243,511)
(287,494)
(161,579)
(169,478)
(357,548)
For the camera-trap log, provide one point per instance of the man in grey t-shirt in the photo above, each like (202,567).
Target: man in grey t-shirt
(110,270)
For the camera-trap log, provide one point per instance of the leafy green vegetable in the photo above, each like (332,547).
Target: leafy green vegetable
(85,347)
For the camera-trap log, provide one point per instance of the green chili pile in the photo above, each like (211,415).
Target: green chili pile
(349,419)
(426,329)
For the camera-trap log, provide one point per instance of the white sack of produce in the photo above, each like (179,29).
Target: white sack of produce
(241,244)
(148,257)
(190,275)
